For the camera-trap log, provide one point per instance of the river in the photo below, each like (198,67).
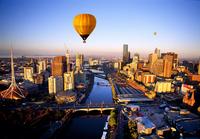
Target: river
(89,126)
(100,93)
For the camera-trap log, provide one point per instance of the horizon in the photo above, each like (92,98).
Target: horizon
(45,31)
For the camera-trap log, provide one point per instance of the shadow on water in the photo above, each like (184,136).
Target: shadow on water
(83,125)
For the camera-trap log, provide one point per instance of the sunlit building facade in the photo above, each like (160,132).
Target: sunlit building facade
(79,61)
(126,54)
(28,73)
(55,84)
(42,66)
(59,66)
(68,81)
(163,86)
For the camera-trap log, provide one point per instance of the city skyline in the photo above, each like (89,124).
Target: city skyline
(45,30)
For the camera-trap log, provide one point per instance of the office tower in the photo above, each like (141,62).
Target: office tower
(68,80)
(157,51)
(68,61)
(168,63)
(33,63)
(175,58)
(55,84)
(67,57)
(117,65)
(14,91)
(42,66)
(158,67)
(199,68)
(79,61)
(126,54)
(28,73)
(82,59)
(136,57)
(59,66)
(135,61)
(152,59)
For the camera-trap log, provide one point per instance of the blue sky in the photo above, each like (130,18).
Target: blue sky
(41,27)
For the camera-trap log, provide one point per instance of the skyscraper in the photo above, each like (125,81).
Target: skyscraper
(42,66)
(68,60)
(157,51)
(68,80)
(67,57)
(28,73)
(79,61)
(168,61)
(126,54)
(135,61)
(199,68)
(59,66)
(174,58)
(152,59)
(55,84)
(158,67)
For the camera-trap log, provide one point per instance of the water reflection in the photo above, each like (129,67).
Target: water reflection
(100,93)
(84,127)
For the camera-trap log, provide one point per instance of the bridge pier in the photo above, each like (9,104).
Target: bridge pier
(101,110)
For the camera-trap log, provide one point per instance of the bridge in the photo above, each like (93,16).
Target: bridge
(98,107)
(88,107)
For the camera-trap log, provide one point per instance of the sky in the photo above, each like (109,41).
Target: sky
(44,27)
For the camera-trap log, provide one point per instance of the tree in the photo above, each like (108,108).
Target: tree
(112,122)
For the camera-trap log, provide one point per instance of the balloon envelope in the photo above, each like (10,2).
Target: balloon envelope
(84,24)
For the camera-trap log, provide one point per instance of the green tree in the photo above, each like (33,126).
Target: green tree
(112,122)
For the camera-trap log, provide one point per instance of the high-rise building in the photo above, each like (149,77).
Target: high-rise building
(68,61)
(134,64)
(55,84)
(28,73)
(158,67)
(42,66)
(136,57)
(126,54)
(68,80)
(117,65)
(157,51)
(67,57)
(33,63)
(152,59)
(199,68)
(161,67)
(168,62)
(79,61)
(174,56)
(59,66)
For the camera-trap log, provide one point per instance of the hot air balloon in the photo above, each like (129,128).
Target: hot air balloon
(84,24)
